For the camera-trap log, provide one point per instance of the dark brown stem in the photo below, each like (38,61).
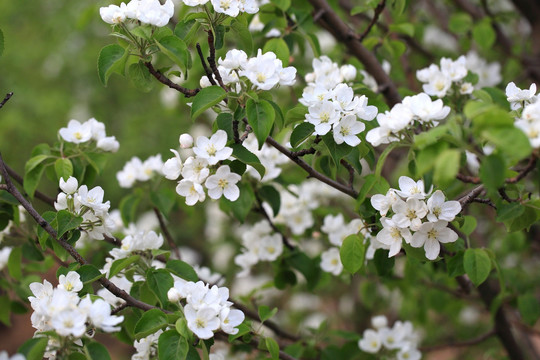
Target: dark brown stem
(343,33)
(350,169)
(166,233)
(468,179)
(119,308)
(473,341)
(205,67)
(212,60)
(284,238)
(485,201)
(378,10)
(6,99)
(303,152)
(166,81)
(470,196)
(505,196)
(311,171)
(530,166)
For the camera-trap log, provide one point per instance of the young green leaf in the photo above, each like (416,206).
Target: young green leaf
(112,58)
(175,49)
(301,133)
(160,281)
(63,168)
(260,116)
(140,77)
(182,269)
(150,322)
(205,99)
(352,253)
(477,265)
(172,346)
(279,47)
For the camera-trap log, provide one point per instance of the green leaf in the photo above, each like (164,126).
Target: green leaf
(483,34)
(243,36)
(487,116)
(112,58)
(529,217)
(369,181)
(260,116)
(468,225)
(5,311)
(273,348)
(185,29)
(296,114)
(510,140)
(63,168)
(352,253)
(140,77)
(182,269)
(382,158)
(205,99)
(219,36)
(455,265)
(89,273)
(279,47)
(269,194)
(35,162)
(383,263)
(164,200)
(224,121)
(403,28)
(529,308)
(337,151)
(509,211)
(150,322)
(284,5)
(265,313)
(248,158)
(446,167)
(477,265)
(34,348)
(492,172)
(31,180)
(365,6)
(427,138)
(49,217)
(142,31)
(301,133)
(128,208)
(460,23)
(175,49)
(241,207)
(97,351)
(172,346)
(160,281)
(66,221)
(14,263)
(309,268)
(121,264)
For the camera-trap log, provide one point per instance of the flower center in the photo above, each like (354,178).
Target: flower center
(222,183)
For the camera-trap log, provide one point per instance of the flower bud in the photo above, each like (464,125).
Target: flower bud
(174,295)
(69,186)
(348,72)
(186,141)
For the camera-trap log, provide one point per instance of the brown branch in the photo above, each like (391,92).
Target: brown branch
(350,169)
(284,238)
(473,341)
(166,81)
(205,67)
(166,233)
(485,201)
(468,179)
(304,152)
(378,10)
(212,60)
(505,196)
(343,33)
(18,178)
(268,323)
(311,171)
(470,196)
(70,249)
(530,166)
(6,99)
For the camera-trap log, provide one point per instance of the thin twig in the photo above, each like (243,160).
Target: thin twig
(473,341)
(6,99)
(485,201)
(505,196)
(212,60)
(530,166)
(311,171)
(166,233)
(284,238)
(350,169)
(205,67)
(468,179)
(166,81)
(470,196)
(378,10)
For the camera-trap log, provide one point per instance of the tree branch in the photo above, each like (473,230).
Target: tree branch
(6,99)
(205,67)
(378,10)
(212,60)
(166,233)
(469,197)
(311,171)
(166,81)
(328,18)
(473,341)
(530,166)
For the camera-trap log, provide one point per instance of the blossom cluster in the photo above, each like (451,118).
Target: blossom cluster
(439,80)
(410,208)
(146,11)
(139,241)
(88,204)
(228,7)
(260,243)
(337,230)
(206,308)
(332,105)
(400,339)
(138,170)
(5,356)
(90,130)
(263,71)
(529,119)
(195,170)
(417,109)
(61,310)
